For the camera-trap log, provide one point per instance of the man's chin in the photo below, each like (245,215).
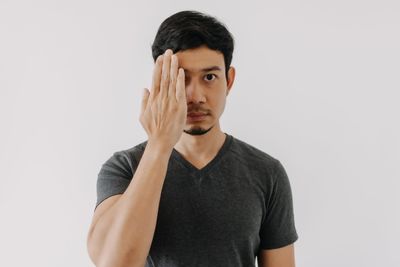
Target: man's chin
(197,130)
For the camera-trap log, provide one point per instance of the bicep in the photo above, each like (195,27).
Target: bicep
(279,257)
(103,207)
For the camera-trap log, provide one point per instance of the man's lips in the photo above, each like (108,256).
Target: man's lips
(196,116)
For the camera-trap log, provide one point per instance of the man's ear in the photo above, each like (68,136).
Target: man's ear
(231,79)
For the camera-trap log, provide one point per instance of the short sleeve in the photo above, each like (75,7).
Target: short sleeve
(114,176)
(278,228)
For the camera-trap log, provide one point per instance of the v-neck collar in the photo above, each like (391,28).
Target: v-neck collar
(193,169)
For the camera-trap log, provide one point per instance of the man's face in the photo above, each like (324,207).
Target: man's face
(206,87)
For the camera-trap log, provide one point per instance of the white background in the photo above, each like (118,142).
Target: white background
(317,86)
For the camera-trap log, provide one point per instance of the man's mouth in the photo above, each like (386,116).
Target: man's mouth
(196,116)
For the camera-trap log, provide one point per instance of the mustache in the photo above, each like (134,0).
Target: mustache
(197,109)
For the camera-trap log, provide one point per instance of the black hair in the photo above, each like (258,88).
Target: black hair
(191,29)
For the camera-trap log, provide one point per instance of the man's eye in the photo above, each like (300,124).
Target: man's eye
(210,76)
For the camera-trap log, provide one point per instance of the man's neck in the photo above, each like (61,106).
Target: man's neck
(201,146)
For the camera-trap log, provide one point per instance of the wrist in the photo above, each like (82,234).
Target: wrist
(158,149)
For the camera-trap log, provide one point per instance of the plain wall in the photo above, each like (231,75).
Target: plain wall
(317,86)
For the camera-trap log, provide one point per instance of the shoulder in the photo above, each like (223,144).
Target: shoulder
(125,160)
(253,156)
(135,153)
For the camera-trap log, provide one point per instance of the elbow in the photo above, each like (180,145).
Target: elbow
(92,248)
(100,259)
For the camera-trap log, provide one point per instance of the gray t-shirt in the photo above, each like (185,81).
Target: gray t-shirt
(220,215)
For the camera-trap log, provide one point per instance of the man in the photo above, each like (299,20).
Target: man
(191,195)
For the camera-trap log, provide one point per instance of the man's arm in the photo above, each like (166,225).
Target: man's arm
(123,228)
(280,257)
(122,234)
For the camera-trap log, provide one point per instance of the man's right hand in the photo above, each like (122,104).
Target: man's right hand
(164,108)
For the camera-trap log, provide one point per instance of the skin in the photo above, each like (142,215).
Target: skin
(206,91)
(123,225)
(280,257)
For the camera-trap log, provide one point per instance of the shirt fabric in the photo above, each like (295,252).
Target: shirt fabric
(219,215)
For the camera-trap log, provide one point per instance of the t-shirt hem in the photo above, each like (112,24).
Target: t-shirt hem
(104,198)
(282,243)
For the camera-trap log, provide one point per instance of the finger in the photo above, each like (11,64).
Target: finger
(180,87)
(165,74)
(173,76)
(145,99)
(155,86)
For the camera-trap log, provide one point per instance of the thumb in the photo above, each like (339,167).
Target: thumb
(145,98)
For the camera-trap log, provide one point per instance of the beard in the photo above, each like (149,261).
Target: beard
(197,130)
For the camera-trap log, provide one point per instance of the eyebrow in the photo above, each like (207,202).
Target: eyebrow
(212,68)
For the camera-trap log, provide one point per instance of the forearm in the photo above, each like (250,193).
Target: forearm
(123,235)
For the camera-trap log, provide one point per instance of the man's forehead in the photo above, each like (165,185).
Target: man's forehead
(200,59)
(204,69)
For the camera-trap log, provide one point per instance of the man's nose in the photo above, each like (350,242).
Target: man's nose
(194,93)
